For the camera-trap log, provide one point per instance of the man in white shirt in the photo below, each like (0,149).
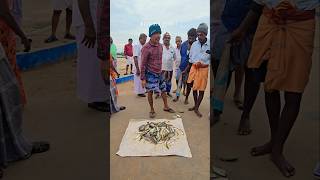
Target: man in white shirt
(138,89)
(178,60)
(168,59)
(200,59)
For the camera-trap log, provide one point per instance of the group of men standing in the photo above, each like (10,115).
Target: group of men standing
(156,63)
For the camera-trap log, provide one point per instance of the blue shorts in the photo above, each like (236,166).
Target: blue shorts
(155,82)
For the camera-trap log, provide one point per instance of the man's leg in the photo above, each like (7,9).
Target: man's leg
(150,100)
(195,99)
(189,86)
(54,26)
(165,100)
(251,90)
(199,100)
(273,106)
(68,34)
(239,73)
(127,67)
(288,117)
(169,83)
(131,69)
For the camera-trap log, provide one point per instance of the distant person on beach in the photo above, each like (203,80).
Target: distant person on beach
(200,57)
(128,53)
(177,61)
(281,57)
(138,89)
(9,28)
(113,52)
(13,145)
(58,7)
(151,63)
(192,37)
(168,59)
(91,86)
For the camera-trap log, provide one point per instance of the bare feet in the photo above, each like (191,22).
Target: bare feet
(198,113)
(261,150)
(175,99)
(244,127)
(283,165)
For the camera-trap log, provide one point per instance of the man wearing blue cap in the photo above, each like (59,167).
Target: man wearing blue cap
(151,64)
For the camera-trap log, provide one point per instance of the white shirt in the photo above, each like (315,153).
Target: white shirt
(168,58)
(200,53)
(76,15)
(178,58)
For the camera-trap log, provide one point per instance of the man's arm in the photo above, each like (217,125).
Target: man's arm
(90,31)
(251,18)
(6,15)
(144,61)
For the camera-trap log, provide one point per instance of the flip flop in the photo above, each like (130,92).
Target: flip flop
(152,114)
(40,147)
(122,108)
(51,39)
(169,110)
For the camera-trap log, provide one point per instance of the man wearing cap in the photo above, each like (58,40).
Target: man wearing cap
(128,53)
(151,64)
(185,65)
(168,59)
(138,89)
(200,59)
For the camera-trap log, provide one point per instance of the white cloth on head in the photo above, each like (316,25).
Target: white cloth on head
(62,4)
(168,58)
(91,86)
(200,53)
(138,89)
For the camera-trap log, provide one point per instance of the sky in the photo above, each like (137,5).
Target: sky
(129,18)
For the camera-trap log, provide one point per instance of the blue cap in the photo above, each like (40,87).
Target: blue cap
(154,28)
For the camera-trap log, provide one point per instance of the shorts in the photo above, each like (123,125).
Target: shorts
(129,60)
(62,4)
(155,82)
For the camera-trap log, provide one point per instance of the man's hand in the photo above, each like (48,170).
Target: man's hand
(143,83)
(90,37)
(237,36)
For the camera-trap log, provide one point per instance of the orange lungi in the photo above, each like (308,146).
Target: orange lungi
(285,38)
(199,77)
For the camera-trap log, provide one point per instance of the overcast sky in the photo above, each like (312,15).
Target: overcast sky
(129,18)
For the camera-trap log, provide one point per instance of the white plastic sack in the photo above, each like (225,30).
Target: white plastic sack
(130,146)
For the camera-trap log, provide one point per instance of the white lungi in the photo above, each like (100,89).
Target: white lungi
(138,89)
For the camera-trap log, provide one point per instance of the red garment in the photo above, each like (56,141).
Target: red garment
(151,59)
(128,50)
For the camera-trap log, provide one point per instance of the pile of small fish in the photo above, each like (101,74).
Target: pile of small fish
(158,133)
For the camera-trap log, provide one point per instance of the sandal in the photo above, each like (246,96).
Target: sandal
(152,115)
(51,39)
(40,147)
(169,110)
(122,108)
